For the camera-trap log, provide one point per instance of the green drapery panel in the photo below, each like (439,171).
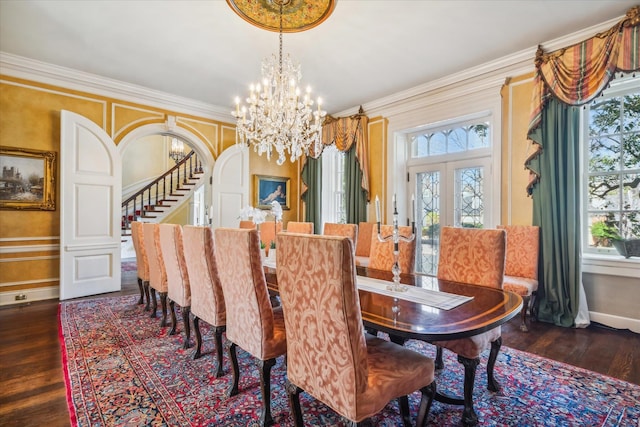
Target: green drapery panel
(556,209)
(355,196)
(312,192)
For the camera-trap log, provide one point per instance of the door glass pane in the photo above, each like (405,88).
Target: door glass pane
(428,221)
(469,197)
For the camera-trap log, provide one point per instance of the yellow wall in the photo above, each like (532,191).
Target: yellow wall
(378,165)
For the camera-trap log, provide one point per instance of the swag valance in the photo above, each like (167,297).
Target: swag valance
(577,74)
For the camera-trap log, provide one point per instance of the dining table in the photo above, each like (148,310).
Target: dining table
(443,310)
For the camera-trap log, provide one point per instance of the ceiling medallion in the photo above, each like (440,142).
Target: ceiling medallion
(297,15)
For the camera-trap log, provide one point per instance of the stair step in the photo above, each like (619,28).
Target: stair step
(149,216)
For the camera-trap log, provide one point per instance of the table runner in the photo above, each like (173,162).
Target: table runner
(437,299)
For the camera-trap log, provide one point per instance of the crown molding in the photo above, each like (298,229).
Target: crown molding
(42,72)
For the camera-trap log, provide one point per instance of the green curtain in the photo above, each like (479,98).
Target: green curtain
(355,196)
(312,197)
(556,209)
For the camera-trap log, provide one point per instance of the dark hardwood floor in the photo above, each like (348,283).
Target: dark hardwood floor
(32,389)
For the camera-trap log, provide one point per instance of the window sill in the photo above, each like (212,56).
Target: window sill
(612,265)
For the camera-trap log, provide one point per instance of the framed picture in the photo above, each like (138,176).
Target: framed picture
(28,179)
(270,188)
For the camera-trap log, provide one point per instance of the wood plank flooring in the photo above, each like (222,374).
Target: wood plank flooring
(32,389)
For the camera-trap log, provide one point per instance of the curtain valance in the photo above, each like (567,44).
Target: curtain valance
(577,74)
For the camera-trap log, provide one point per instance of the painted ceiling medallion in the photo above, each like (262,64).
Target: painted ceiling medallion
(297,15)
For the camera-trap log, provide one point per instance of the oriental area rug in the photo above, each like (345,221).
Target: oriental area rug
(123,369)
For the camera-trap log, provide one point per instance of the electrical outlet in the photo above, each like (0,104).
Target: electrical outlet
(21,297)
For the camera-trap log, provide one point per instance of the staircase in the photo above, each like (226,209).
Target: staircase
(158,199)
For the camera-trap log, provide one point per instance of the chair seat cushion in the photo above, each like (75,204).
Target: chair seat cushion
(277,345)
(522,286)
(362,261)
(471,347)
(394,371)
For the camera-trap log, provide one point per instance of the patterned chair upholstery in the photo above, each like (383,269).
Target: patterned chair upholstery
(207,300)
(252,323)
(142,264)
(521,268)
(300,227)
(476,256)
(343,230)
(363,243)
(268,231)
(247,224)
(157,273)
(361,373)
(178,288)
(381,257)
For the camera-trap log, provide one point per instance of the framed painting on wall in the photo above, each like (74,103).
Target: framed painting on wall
(270,188)
(28,179)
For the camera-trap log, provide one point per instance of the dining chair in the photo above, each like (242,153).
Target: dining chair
(252,323)
(268,231)
(363,243)
(381,256)
(178,288)
(207,300)
(157,273)
(142,264)
(247,224)
(521,265)
(475,256)
(344,230)
(300,227)
(329,356)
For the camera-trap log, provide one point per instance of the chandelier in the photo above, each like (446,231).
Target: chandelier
(277,116)
(177,150)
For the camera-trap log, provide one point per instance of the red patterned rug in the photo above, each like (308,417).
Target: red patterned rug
(122,369)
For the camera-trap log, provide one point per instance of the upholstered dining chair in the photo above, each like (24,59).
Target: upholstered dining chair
(142,264)
(178,288)
(344,230)
(268,231)
(381,256)
(252,323)
(521,265)
(363,243)
(207,300)
(300,227)
(157,273)
(247,224)
(475,256)
(328,354)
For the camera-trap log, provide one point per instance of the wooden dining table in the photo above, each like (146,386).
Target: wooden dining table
(402,319)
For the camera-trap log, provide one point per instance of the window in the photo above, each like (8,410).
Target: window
(451,140)
(612,167)
(333,186)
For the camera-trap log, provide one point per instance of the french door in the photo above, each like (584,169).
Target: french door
(455,193)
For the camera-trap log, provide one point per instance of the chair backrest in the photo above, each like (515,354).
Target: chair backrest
(343,230)
(523,250)
(171,247)
(472,255)
(207,299)
(247,224)
(363,242)
(381,256)
(137,237)
(249,313)
(330,369)
(300,227)
(268,231)
(157,273)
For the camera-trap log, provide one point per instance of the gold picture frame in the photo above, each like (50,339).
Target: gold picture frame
(267,188)
(28,179)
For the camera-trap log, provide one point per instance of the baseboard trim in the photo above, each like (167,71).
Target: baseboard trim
(37,294)
(617,322)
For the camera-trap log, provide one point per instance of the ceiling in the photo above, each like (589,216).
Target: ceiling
(364,51)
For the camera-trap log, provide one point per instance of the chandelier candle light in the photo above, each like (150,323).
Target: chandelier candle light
(277,117)
(177,150)
(396,238)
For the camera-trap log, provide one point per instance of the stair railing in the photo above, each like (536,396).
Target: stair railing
(169,184)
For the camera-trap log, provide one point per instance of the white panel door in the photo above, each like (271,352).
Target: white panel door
(230,186)
(91,185)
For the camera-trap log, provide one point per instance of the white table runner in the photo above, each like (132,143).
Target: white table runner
(437,299)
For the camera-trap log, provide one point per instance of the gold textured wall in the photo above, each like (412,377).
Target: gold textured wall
(377,165)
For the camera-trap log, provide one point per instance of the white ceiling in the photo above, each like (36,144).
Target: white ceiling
(366,50)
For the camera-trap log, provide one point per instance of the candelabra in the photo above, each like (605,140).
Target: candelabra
(396,238)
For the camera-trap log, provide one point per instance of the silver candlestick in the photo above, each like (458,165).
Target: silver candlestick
(397,238)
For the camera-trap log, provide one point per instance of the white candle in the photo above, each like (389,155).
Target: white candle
(377,209)
(395,208)
(211,212)
(413,208)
